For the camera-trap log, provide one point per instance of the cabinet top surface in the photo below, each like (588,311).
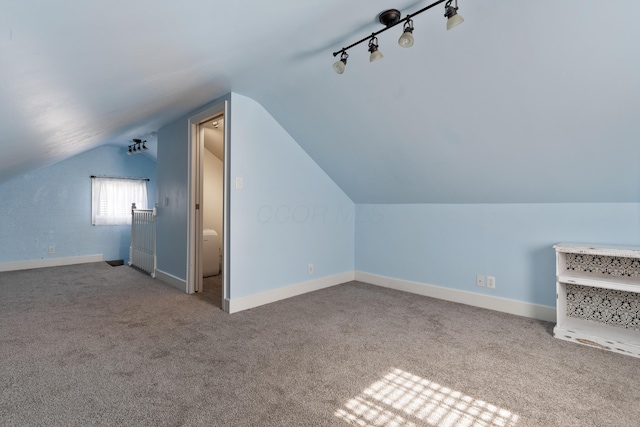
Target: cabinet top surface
(598,249)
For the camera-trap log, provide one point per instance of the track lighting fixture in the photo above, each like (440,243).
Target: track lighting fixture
(451,13)
(138,146)
(406,39)
(341,63)
(373,48)
(390,18)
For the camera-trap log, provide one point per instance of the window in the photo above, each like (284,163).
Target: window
(111,199)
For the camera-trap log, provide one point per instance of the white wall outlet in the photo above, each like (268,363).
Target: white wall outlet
(52,249)
(239,182)
(310,268)
(491,282)
(480,281)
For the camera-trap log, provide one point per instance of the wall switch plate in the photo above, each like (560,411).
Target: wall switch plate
(52,249)
(491,282)
(310,268)
(239,182)
(480,281)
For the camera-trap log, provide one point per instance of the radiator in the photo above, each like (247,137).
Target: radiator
(142,252)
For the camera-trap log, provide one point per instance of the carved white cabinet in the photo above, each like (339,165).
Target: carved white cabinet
(598,296)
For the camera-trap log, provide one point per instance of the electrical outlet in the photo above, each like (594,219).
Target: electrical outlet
(310,268)
(491,282)
(480,281)
(52,249)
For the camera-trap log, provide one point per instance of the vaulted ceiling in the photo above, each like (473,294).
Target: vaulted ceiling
(528,101)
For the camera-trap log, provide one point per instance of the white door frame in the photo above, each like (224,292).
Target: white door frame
(194,236)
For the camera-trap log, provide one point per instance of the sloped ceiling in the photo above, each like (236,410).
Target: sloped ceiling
(533,101)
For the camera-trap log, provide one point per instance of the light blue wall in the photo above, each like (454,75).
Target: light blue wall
(448,245)
(289,213)
(52,207)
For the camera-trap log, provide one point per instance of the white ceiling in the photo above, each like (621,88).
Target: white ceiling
(527,101)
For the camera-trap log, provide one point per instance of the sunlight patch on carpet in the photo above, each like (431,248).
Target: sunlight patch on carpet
(403,399)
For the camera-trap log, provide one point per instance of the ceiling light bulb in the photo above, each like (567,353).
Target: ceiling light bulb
(340,64)
(451,13)
(375,56)
(406,39)
(373,48)
(454,20)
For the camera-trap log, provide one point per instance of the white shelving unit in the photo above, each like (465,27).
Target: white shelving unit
(604,319)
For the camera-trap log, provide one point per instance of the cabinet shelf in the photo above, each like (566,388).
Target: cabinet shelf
(618,283)
(605,250)
(572,325)
(607,337)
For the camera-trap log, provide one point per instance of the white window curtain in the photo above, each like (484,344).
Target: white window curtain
(111,200)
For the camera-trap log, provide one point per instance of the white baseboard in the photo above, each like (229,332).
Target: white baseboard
(50,262)
(171,280)
(505,305)
(255,300)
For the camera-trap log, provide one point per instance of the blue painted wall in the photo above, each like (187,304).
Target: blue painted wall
(52,207)
(449,244)
(289,213)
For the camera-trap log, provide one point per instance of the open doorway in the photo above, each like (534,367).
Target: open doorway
(208,220)
(212,132)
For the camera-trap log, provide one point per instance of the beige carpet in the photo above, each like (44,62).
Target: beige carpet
(108,346)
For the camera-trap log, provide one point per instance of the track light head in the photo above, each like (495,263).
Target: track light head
(406,39)
(373,48)
(451,13)
(144,146)
(129,152)
(341,63)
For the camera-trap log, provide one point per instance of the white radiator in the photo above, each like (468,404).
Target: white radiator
(142,252)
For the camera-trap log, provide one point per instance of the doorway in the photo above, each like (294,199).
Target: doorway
(207,259)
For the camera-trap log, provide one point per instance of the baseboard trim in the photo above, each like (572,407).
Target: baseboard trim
(251,301)
(50,262)
(535,311)
(171,280)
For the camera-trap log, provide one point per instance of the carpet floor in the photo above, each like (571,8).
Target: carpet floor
(108,346)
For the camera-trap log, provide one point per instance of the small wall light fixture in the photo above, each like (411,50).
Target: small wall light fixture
(138,146)
(390,18)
